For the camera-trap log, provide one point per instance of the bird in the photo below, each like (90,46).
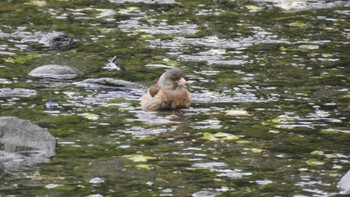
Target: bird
(169,93)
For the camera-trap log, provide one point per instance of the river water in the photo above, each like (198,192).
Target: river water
(269,80)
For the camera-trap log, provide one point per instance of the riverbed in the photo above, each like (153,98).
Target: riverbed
(270,96)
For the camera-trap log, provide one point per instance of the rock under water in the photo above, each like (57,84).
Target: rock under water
(23,144)
(344,184)
(55,71)
(109,82)
(51,40)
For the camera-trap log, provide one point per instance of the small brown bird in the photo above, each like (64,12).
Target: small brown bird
(168,94)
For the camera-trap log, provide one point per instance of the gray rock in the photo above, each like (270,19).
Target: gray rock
(18,135)
(51,40)
(56,72)
(109,88)
(344,184)
(109,83)
(23,144)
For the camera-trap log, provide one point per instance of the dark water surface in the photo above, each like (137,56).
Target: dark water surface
(270,83)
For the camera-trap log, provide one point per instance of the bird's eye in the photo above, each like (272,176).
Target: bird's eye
(173,78)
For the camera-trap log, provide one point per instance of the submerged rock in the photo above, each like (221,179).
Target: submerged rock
(109,89)
(55,71)
(51,40)
(344,184)
(108,83)
(23,144)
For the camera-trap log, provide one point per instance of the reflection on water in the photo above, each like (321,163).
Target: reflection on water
(269,84)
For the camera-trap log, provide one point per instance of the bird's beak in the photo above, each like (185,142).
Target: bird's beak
(182,82)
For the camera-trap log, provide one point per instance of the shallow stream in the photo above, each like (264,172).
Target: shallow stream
(269,79)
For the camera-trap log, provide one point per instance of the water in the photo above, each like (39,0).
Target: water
(270,86)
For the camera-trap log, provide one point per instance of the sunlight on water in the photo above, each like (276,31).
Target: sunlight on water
(268,80)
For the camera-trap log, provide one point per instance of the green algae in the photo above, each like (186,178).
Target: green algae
(283,59)
(26,59)
(220,136)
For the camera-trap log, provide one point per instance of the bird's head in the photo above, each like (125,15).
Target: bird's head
(172,79)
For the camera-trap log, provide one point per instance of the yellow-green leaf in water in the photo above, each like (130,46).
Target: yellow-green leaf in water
(209,137)
(133,8)
(253,8)
(147,139)
(27,58)
(279,119)
(225,136)
(282,48)
(147,37)
(143,167)
(327,55)
(243,142)
(317,152)
(193,169)
(314,162)
(329,131)
(171,63)
(274,121)
(254,150)
(138,158)
(89,116)
(39,3)
(297,24)
(219,136)
(309,47)
(274,131)
(105,31)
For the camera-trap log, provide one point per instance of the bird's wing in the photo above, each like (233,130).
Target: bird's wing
(153,90)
